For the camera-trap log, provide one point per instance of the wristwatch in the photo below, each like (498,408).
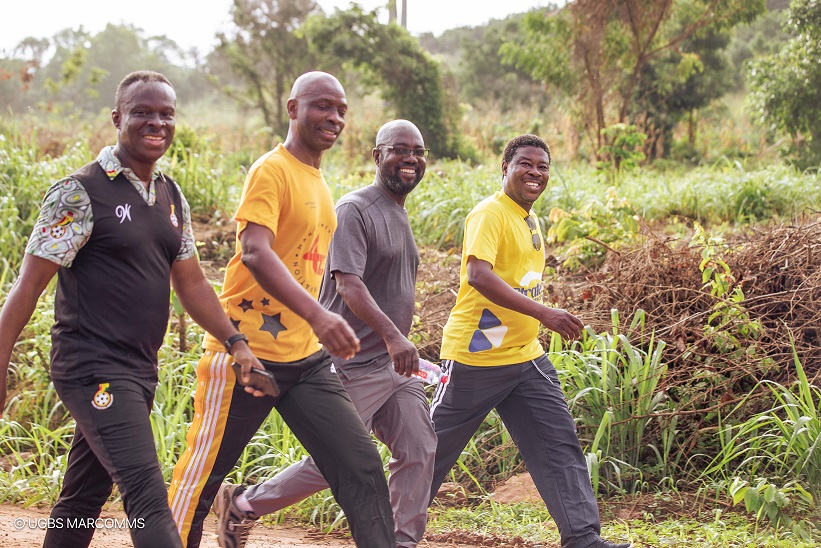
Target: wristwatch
(234,339)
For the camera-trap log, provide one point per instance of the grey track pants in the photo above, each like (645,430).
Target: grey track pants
(530,402)
(395,408)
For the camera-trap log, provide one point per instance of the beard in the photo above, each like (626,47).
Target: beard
(395,184)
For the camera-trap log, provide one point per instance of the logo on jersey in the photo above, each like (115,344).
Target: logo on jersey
(490,334)
(317,260)
(173,217)
(102,398)
(123,212)
(534,292)
(308,260)
(58,229)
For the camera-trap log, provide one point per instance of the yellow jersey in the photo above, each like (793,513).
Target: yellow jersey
(292,200)
(479,332)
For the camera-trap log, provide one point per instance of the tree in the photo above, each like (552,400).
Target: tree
(599,51)
(677,84)
(392,60)
(18,71)
(83,72)
(765,36)
(484,77)
(265,51)
(392,13)
(786,87)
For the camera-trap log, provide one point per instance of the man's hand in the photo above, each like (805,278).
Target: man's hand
(335,334)
(243,356)
(562,322)
(404,354)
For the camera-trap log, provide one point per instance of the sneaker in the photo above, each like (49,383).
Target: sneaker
(601,543)
(233,524)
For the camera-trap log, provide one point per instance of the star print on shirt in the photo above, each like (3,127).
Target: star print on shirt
(246,305)
(235,323)
(272,325)
(265,301)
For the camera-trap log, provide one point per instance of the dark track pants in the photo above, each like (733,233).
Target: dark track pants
(320,414)
(114,442)
(530,402)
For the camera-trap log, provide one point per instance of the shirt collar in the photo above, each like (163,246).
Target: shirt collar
(113,167)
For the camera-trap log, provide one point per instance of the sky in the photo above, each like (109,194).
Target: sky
(194,23)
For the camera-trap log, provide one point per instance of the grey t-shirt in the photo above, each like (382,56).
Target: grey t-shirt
(373,240)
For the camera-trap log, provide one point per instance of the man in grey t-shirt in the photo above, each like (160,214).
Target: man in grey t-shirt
(370,280)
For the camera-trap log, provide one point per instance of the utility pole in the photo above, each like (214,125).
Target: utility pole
(391,11)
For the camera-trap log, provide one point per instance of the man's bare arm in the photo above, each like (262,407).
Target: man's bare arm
(482,278)
(356,295)
(275,279)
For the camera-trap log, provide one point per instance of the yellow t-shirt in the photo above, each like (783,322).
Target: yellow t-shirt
(479,332)
(293,201)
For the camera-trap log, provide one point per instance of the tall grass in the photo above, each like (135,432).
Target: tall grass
(724,192)
(35,431)
(772,460)
(613,390)
(783,441)
(210,180)
(25,175)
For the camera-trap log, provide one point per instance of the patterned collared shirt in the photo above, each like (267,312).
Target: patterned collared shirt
(66,219)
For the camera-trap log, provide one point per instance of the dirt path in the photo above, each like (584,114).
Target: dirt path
(23,528)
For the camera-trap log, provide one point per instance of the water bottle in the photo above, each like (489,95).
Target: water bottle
(430,373)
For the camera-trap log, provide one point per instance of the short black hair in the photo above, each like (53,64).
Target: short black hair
(526,140)
(146,76)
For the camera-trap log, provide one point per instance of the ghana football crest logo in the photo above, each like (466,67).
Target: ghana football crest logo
(173,217)
(58,229)
(102,398)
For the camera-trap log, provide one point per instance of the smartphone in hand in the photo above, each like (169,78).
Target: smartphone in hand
(261,379)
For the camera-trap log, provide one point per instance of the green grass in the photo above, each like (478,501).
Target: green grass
(532,524)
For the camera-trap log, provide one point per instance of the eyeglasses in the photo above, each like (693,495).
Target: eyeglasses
(534,235)
(404,152)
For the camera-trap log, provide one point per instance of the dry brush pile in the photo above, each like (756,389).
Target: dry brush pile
(732,337)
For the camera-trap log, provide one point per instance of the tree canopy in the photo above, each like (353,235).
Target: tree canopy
(84,69)
(601,53)
(393,61)
(266,53)
(786,86)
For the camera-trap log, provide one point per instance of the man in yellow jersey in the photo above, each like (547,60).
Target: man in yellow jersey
(285,221)
(370,279)
(492,355)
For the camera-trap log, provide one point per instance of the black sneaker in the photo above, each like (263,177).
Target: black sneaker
(601,543)
(233,524)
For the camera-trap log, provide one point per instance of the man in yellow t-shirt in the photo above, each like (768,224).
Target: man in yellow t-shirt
(492,356)
(285,221)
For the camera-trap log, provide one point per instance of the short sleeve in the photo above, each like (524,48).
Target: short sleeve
(64,225)
(188,248)
(483,232)
(262,198)
(349,246)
